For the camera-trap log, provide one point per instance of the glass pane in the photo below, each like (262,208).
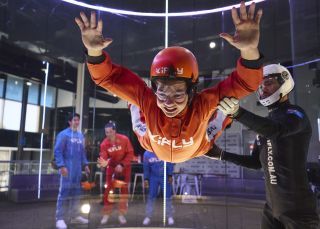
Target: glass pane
(33,93)
(307,96)
(1,112)
(14,88)
(65,98)
(11,115)
(1,87)
(50,97)
(205,193)
(32,118)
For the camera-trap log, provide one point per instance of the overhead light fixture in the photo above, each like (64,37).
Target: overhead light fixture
(304,63)
(212,44)
(147,14)
(35,79)
(104,114)
(68,81)
(29,83)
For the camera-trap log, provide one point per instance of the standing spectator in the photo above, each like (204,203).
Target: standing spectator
(116,153)
(70,156)
(153,170)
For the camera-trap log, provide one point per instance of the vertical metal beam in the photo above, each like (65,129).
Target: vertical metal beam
(80,91)
(42,126)
(21,137)
(165,163)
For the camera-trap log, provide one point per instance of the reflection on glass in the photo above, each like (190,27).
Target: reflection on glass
(1,112)
(33,93)
(65,98)
(14,89)
(11,115)
(51,96)
(1,87)
(32,118)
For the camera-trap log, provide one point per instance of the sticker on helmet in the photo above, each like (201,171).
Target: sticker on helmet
(285,75)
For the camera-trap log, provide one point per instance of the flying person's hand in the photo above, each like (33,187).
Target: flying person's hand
(247,31)
(91,32)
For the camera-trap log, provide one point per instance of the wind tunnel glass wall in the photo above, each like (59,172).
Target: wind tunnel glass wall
(305,70)
(136,40)
(204,193)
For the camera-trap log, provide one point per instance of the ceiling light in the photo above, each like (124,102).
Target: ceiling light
(68,81)
(104,114)
(35,79)
(147,14)
(212,44)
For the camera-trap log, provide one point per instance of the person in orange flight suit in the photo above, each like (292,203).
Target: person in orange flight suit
(176,116)
(116,153)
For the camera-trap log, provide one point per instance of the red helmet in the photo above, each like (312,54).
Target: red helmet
(175,63)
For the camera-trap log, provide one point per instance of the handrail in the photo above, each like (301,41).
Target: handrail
(25,149)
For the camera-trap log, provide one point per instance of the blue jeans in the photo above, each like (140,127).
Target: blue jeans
(69,197)
(154,184)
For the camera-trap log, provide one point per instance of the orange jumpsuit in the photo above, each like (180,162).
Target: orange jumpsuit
(118,152)
(184,136)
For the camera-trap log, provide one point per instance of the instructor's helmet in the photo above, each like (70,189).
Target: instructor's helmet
(175,63)
(284,78)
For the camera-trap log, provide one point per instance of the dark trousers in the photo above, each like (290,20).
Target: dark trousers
(289,220)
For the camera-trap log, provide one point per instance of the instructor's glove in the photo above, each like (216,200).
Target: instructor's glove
(229,106)
(215,153)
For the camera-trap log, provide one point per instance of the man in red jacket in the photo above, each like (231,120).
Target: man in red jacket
(116,153)
(176,116)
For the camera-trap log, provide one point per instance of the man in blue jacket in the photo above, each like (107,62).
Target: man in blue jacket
(70,156)
(153,170)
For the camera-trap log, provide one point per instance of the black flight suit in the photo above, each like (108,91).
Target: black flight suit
(281,151)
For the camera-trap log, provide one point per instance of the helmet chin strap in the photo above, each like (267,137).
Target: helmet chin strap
(276,104)
(191,91)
